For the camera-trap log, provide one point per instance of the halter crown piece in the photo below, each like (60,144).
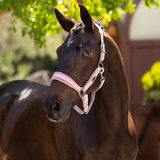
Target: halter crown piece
(82,90)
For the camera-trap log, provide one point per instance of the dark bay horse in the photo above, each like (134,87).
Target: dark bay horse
(105,132)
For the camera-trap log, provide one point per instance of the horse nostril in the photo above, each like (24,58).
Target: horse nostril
(56,108)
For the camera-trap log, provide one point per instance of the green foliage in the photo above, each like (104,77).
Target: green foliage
(19,57)
(151,83)
(108,10)
(149,3)
(39,18)
(10,66)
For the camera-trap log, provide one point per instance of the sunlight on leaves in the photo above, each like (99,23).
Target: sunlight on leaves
(39,18)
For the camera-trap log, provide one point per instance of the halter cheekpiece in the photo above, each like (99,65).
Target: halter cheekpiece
(99,70)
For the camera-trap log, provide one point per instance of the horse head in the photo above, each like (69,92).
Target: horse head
(78,58)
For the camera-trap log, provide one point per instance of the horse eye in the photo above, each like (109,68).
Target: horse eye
(84,54)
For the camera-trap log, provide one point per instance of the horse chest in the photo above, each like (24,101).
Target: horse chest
(89,152)
(84,144)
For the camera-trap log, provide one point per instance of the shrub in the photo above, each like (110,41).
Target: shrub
(151,83)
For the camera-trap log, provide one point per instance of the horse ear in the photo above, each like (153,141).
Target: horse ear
(86,18)
(65,22)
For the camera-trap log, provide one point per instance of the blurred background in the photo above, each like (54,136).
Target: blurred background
(20,58)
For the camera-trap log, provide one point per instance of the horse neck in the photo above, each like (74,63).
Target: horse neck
(113,98)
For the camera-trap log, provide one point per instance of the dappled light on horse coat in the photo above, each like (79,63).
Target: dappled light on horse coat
(59,132)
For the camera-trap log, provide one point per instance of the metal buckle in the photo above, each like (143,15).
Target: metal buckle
(81,92)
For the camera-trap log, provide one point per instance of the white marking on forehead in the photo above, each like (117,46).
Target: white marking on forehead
(70,42)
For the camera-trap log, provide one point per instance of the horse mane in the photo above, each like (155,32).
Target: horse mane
(115,60)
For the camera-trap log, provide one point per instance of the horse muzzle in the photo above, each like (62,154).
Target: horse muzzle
(54,111)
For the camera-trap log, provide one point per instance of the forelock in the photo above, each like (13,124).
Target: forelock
(77,27)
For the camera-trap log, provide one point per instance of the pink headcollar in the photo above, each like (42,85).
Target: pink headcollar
(82,90)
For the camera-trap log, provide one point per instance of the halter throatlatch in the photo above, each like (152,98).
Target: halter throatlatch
(82,90)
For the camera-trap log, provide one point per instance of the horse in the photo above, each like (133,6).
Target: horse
(84,114)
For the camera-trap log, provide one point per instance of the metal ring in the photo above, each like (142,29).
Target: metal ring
(100,64)
(81,92)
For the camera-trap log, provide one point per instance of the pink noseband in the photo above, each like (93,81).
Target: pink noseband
(82,90)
